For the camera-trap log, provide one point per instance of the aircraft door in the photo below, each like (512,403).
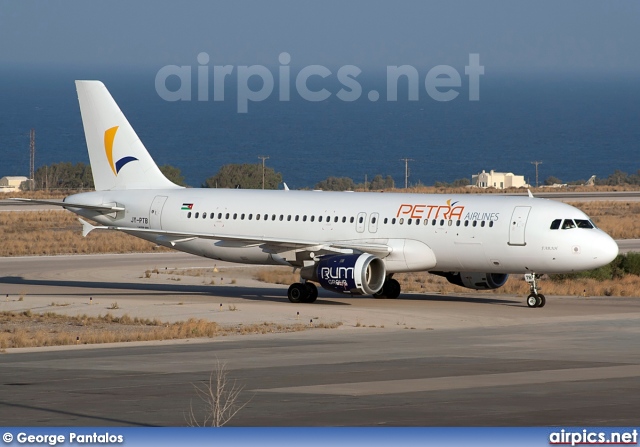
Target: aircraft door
(518,225)
(361,222)
(373,222)
(155,213)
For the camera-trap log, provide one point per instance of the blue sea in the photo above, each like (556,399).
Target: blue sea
(577,125)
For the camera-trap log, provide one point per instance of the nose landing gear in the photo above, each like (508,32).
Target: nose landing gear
(534,299)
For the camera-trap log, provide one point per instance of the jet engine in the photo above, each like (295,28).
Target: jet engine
(359,274)
(476,281)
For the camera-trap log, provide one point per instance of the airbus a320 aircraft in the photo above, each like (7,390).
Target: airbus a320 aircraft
(347,242)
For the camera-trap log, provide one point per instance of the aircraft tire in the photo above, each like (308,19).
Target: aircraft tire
(542,299)
(297,293)
(533,300)
(391,289)
(312,293)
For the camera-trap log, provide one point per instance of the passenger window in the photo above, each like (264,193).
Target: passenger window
(426,221)
(304,218)
(450,222)
(297,217)
(351,220)
(373,220)
(568,224)
(360,219)
(491,224)
(319,218)
(281,217)
(556,224)
(393,221)
(235,216)
(226,216)
(482,223)
(257,216)
(197,215)
(250,216)
(386,219)
(466,223)
(475,222)
(344,219)
(189,215)
(289,218)
(242,216)
(409,222)
(219,216)
(273,217)
(204,215)
(433,222)
(313,218)
(441,222)
(266,217)
(335,219)
(417,221)
(458,223)
(581,223)
(401,221)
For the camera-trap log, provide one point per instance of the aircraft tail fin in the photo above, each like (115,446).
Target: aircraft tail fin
(118,158)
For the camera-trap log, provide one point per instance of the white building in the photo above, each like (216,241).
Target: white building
(11,183)
(498,180)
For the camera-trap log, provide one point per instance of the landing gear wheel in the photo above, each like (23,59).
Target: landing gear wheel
(542,299)
(297,293)
(534,299)
(391,289)
(312,291)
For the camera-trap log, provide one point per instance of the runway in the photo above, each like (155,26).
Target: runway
(421,360)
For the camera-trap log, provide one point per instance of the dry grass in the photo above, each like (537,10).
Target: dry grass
(26,329)
(277,275)
(619,219)
(424,282)
(59,232)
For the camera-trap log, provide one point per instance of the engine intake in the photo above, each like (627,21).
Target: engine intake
(359,274)
(474,280)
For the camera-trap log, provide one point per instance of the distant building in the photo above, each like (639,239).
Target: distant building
(498,180)
(12,183)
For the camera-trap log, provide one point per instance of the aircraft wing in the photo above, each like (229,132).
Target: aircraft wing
(105,208)
(174,237)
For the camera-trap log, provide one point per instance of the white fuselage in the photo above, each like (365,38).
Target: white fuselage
(471,233)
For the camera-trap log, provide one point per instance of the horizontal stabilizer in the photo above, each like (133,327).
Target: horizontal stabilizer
(103,208)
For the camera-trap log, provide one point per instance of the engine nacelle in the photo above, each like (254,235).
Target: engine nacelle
(362,274)
(476,281)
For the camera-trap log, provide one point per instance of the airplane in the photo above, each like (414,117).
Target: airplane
(346,242)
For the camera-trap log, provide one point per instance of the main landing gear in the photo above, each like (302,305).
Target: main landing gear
(306,292)
(534,299)
(390,289)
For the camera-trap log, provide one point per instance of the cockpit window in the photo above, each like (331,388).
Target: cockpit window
(556,224)
(582,223)
(567,224)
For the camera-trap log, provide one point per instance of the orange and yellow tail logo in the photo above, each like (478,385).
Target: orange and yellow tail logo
(109,136)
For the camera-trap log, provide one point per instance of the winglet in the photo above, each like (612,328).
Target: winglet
(286,188)
(530,195)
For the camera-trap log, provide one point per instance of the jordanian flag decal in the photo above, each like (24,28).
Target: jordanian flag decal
(187,206)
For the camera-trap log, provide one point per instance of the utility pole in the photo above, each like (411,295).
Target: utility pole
(263,158)
(32,159)
(406,171)
(536,163)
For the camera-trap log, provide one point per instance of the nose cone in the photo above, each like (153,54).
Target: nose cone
(607,249)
